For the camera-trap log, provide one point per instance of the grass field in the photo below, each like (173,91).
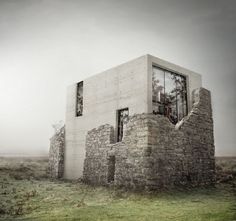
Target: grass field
(27,194)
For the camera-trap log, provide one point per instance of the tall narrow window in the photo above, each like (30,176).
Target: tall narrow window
(122,115)
(169,94)
(79,99)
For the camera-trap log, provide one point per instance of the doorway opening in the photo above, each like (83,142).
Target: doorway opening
(111,169)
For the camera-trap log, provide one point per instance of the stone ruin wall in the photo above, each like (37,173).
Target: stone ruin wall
(56,154)
(154,153)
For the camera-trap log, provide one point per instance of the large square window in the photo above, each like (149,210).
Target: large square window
(169,94)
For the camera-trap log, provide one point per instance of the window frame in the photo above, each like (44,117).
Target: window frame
(118,124)
(176,73)
(78,85)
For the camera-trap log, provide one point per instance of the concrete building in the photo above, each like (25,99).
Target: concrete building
(129,86)
(156,95)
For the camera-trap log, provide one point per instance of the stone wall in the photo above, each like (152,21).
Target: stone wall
(198,130)
(96,161)
(154,153)
(56,154)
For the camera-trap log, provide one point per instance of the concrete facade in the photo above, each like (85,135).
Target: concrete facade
(126,86)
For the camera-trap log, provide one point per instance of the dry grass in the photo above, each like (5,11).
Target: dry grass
(27,194)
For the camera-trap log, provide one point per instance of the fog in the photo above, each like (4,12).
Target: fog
(47,45)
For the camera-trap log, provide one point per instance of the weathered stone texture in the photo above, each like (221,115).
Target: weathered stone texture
(95,164)
(198,130)
(56,154)
(154,153)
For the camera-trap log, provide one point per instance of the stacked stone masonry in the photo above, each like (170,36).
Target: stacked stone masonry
(154,153)
(56,154)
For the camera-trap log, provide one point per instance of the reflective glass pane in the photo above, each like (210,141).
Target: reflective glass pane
(170,97)
(79,99)
(158,97)
(181,96)
(169,94)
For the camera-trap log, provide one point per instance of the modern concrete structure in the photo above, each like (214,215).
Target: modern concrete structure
(130,88)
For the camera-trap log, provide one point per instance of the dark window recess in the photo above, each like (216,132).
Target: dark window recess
(79,99)
(111,168)
(169,94)
(122,116)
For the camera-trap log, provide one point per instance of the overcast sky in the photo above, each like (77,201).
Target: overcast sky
(47,45)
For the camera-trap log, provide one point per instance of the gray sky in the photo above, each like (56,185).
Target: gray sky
(47,45)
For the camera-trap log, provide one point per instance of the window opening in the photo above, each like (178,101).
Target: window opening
(122,116)
(169,94)
(79,99)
